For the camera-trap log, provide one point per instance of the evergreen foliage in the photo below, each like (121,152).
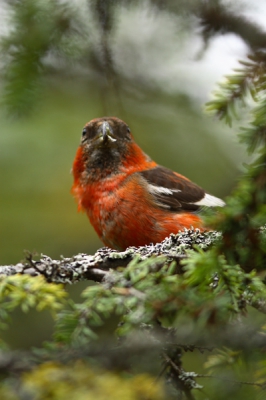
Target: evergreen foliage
(40,32)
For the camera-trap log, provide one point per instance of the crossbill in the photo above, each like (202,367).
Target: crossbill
(130,199)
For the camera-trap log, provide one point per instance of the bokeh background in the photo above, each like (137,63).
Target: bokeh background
(153,64)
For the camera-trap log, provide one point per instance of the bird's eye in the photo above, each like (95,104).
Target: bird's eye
(84,132)
(128,130)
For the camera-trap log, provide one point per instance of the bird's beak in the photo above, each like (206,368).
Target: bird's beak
(106,132)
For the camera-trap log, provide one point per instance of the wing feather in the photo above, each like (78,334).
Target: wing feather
(175,192)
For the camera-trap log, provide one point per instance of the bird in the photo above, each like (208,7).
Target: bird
(130,199)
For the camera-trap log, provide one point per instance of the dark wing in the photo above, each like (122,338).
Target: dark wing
(175,192)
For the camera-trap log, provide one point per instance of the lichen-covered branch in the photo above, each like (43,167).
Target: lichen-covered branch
(95,267)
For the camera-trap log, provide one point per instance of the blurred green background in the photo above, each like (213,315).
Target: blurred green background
(66,63)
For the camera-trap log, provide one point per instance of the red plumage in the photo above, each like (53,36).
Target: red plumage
(129,199)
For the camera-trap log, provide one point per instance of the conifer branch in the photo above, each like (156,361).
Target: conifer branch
(95,267)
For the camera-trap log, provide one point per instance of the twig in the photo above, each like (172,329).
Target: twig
(261,385)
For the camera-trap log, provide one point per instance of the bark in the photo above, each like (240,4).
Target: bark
(95,267)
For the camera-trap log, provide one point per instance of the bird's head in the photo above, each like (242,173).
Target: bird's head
(106,143)
(104,134)
(108,148)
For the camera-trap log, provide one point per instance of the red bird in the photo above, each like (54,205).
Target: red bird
(129,199)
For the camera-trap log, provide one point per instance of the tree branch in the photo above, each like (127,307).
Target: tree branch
(95,267)
(216,17)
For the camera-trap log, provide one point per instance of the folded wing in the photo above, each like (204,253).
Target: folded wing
(174,192)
